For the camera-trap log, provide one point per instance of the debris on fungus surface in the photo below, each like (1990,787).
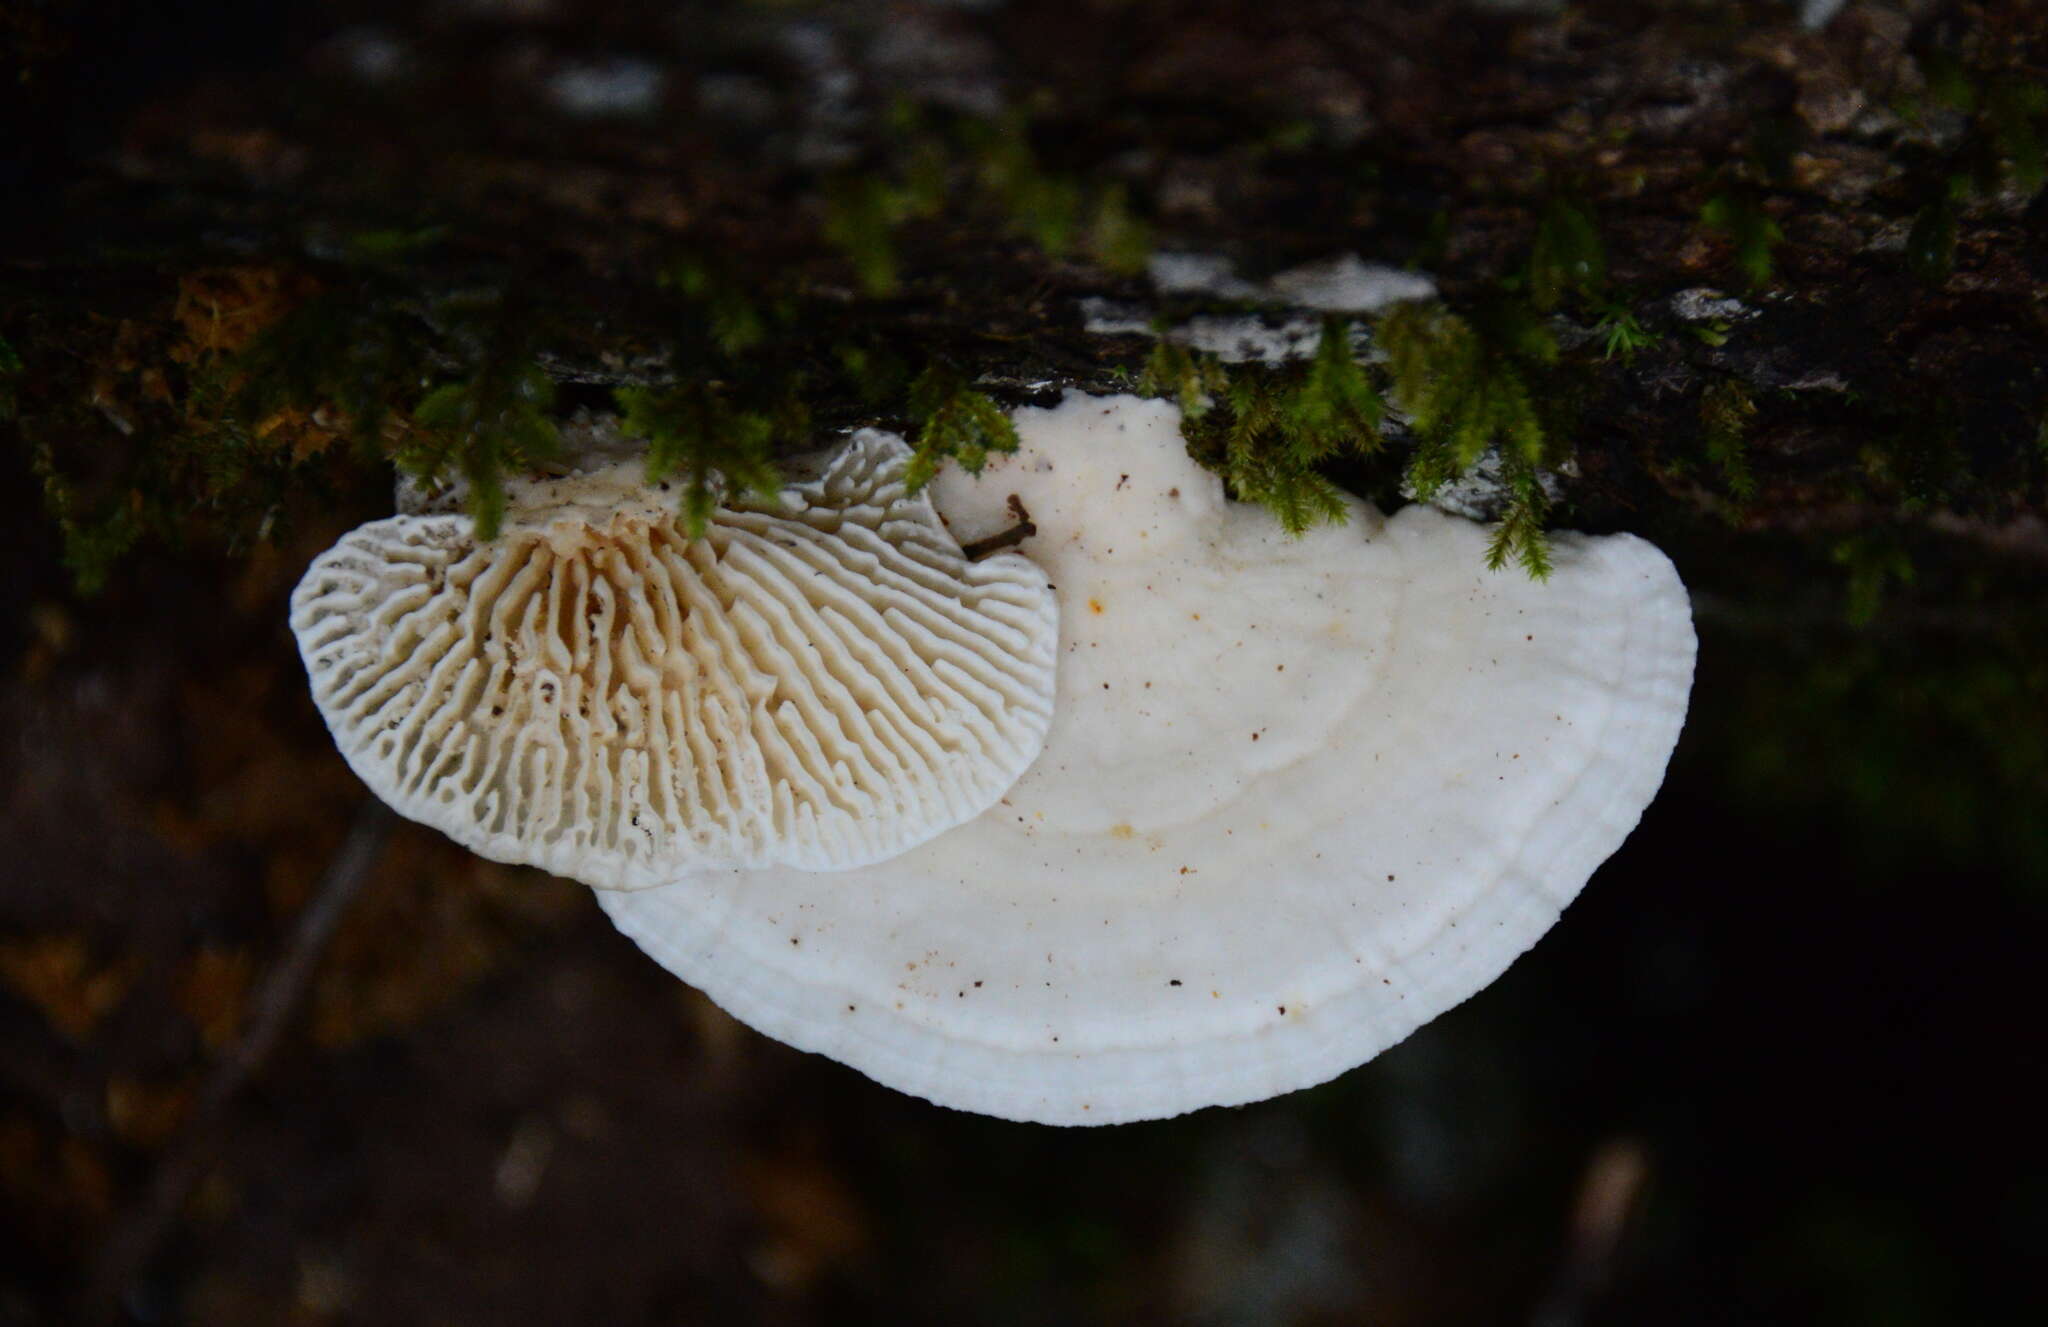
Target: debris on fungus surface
(1299,795)
(819,682)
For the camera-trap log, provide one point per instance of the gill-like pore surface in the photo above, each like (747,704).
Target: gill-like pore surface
(820,682)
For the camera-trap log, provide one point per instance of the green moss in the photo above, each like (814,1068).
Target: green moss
(953,422)
(2004,144)
(1739,215)
(1290,137)
(731,316)
(1726,409)
(204,413)
(1190,380)
(1713,333)
(95,536)
(1039,204)
(1619,332)
(988,166)
(1277,426)
(1465,386)
(345,349)
(1060,213)
(205,470)
(1336,408)
(719,450)
(874,374)
(861,216)
(1266,462)
(1521,534)
(1273,431)
(394,244)
(482,426)
(1118,239)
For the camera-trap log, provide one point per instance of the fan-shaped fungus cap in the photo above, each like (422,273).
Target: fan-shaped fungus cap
(1299,796)
(817,682)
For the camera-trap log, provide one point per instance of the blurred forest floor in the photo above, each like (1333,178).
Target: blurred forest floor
(1776,1064)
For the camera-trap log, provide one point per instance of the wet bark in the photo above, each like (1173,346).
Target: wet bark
(1883,348)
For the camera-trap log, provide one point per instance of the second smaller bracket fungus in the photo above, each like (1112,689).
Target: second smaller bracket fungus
(820,682)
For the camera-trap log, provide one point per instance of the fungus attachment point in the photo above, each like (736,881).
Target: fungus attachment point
(1444,756)
(819,682)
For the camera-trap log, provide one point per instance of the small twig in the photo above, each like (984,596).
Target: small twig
(1010,538)
(133,1244)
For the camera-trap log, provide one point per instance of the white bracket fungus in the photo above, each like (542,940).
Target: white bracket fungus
(818,682)
(1300,795)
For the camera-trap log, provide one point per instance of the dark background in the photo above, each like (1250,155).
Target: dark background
(1783,1060)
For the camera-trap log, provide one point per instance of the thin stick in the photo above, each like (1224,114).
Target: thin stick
(1010,538)
(133,1244)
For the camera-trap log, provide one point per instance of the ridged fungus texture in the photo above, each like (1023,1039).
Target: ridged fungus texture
(819,682)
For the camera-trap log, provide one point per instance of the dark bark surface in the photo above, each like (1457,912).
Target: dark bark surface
(1761,1023)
